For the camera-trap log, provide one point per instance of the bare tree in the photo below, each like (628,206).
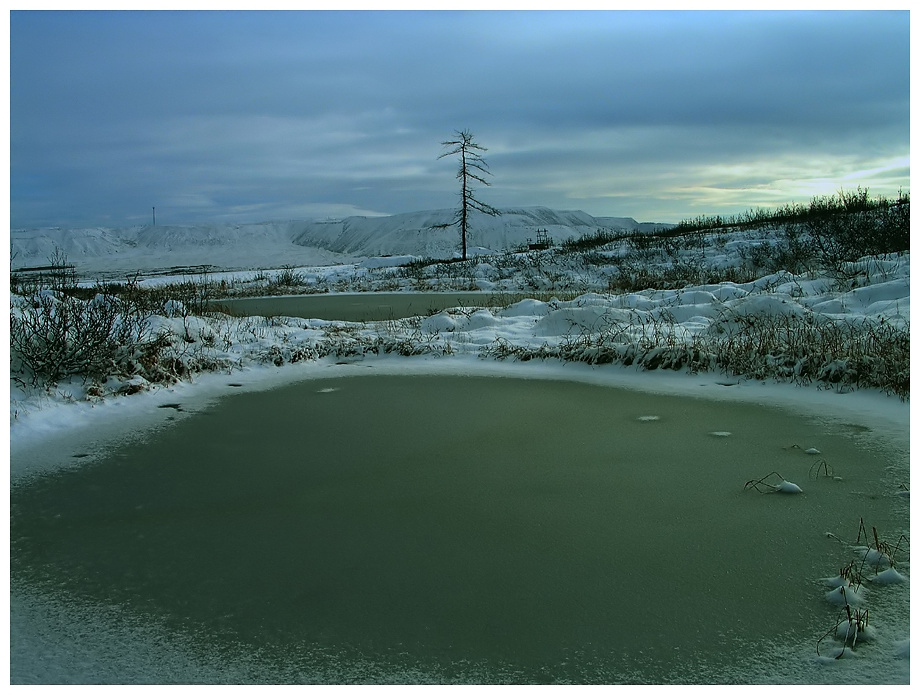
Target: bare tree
(472,168)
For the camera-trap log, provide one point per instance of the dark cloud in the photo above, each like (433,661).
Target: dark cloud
(265,115)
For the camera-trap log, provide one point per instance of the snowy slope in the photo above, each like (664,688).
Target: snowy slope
(35,246)
(272,244)
(418,234)
(112,250)
(409,233)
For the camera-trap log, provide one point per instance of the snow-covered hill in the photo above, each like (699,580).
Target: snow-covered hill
(145,248)
(298,243)
(422,233)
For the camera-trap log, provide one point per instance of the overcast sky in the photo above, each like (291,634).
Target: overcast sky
(239,117)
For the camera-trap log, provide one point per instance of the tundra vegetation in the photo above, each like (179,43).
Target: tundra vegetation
(123,336)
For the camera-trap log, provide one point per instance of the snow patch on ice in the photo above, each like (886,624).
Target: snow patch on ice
(889,576)
(846,595)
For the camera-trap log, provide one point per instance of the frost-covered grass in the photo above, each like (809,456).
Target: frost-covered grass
(875,562)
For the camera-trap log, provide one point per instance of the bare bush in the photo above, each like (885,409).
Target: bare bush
(54,336)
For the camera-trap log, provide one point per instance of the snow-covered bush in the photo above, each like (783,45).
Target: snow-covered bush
(285,278)
(53,336)
(59,329)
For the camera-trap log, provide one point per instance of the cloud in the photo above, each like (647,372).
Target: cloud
(677,114)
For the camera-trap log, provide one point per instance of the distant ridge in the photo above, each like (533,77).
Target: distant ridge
(299,242)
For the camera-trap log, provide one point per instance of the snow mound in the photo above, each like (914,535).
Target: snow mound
(846,595)
(889,576)
(787,487)
(439,323)
(766,305)
(480,319)
(527,307)
(574,320)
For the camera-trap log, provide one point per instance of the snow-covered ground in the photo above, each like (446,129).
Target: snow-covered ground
(578,310)
(574,315)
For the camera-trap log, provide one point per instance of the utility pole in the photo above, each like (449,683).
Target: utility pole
(154,217)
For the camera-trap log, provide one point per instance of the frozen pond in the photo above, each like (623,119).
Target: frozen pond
(451,529)
(362,306)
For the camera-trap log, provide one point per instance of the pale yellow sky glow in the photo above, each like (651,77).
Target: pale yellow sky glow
(769,183)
